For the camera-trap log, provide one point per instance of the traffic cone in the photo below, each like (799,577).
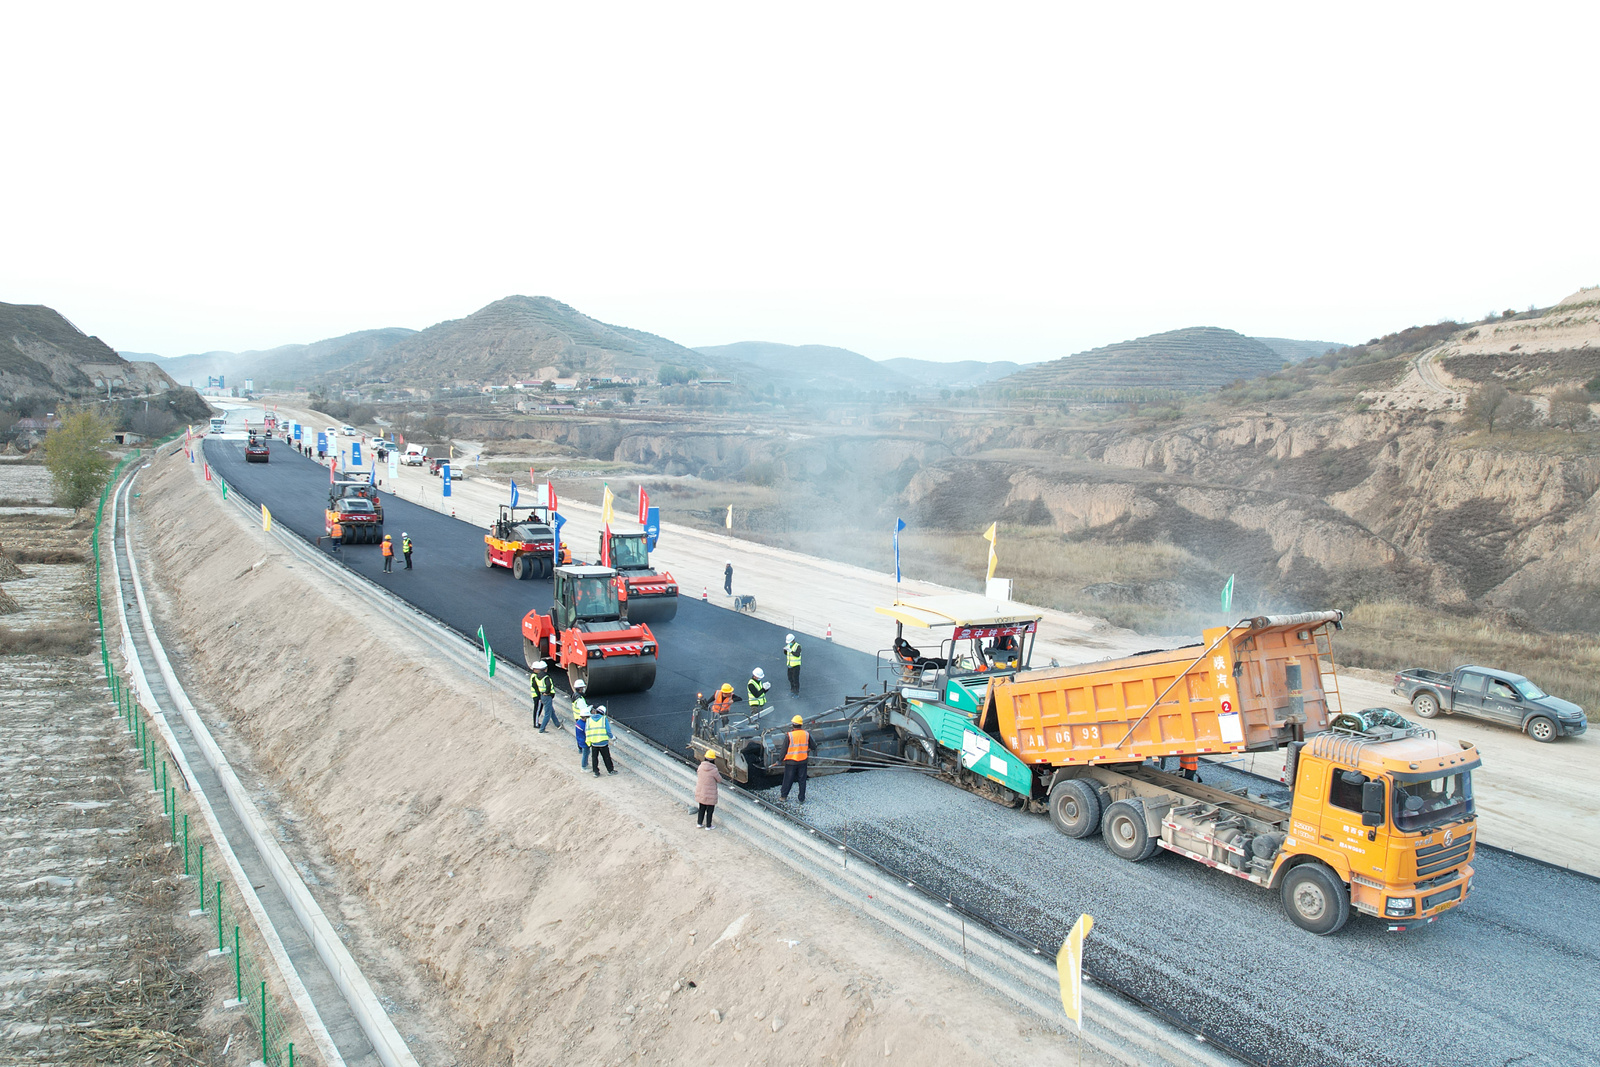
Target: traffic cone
(452,513)
(704,592)
(829,635)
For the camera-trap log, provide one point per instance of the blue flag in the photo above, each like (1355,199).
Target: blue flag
(355,453)
(513,494)
(652,528)
(444,473)
(899,524)
(557,521)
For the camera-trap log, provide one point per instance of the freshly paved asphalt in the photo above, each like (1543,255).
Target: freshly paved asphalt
(1512,976)
(702,648)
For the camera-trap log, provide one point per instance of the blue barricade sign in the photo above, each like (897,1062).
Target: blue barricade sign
(652,528)
(444,472)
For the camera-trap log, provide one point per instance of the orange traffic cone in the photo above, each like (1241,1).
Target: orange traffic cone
(830,632)
(704,591)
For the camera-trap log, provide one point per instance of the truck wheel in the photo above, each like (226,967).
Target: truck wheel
(918,752)
(520,569)
(1426,705)
(1542,729)
(1075,808)
(1315,899)
(1124,831)
(488,558)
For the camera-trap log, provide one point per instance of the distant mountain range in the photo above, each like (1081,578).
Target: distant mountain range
(1193,360)
(281,366)
(818,366)
(1300,351)
(44,355)
(521,338)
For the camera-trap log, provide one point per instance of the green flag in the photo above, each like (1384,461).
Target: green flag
(224,482)
(488,653)
(1227,596)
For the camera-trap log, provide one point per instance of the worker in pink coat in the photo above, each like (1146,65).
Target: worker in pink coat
(705,788)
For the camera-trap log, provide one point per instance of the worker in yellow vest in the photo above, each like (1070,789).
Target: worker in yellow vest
(598,735)
(757,688)
(795,758)
(791,655)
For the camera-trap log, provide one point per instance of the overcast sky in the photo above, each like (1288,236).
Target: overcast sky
(983,181)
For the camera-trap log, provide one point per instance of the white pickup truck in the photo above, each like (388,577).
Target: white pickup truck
(414,456)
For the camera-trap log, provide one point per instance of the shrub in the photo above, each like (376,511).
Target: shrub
(1569,409)
(78,462)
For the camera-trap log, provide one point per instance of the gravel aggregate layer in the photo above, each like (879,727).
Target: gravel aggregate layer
(1511,976)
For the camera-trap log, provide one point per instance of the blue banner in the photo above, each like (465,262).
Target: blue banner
(652,528)
(899,524)
(444,472)
(513,494)
(557,521)
(322,442)
(355,453)
(297,431)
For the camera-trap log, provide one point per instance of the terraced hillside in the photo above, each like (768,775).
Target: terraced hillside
(1193,360)
(526,337)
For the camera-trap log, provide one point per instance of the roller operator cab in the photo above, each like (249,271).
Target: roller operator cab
(588,635)
(523,541)
(358,518)
(652,595)
(256,451)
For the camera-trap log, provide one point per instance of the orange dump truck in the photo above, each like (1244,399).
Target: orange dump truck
(1380,818)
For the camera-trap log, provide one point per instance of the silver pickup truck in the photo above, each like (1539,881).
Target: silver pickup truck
(1498,696)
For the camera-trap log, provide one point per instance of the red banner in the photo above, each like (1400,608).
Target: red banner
(983,633)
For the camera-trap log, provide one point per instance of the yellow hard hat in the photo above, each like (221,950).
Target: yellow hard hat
(798,721)
(727,687)
(711,753)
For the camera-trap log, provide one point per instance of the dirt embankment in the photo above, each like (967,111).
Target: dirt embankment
(550,916)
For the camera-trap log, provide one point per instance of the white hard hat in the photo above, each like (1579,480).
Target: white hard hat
(600,709)
(758,674)
(580,684)
(788,637)
(541,665)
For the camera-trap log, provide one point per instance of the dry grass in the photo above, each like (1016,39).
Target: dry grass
(72,638)
(1394,636)
(48,555)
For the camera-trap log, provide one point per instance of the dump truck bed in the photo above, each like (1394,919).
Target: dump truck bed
(1252,686)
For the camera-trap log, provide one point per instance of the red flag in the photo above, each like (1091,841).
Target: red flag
(333,465)
(605,547)
(551,487)
(402,440)
(208,472)
(644,505)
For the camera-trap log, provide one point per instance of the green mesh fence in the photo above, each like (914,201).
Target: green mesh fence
(212,899)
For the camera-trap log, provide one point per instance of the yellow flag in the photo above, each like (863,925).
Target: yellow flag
(605,506)
(989,535)
(266,519)
(1069,967)
(728,522)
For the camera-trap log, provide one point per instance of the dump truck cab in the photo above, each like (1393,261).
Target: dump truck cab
(1389,810)
(651,595)
(588,634)
(523,541)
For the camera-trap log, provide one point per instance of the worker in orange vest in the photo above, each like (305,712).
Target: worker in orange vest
(722,703)
(388,555)
(795,758)
(337,532)
(1189,767)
